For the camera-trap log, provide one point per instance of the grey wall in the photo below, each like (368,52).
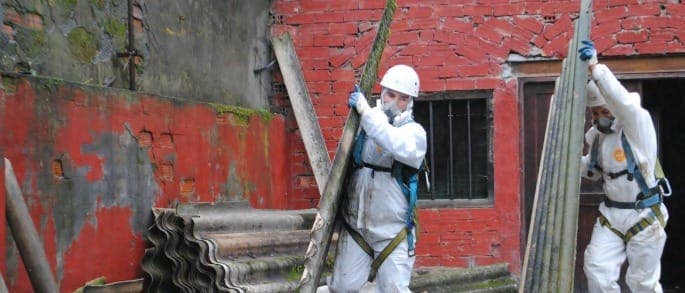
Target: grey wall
(205,50)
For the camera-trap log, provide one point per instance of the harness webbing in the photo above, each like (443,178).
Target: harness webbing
(633,168)
(377,261)
(654,215)
(359,239)
(648,197)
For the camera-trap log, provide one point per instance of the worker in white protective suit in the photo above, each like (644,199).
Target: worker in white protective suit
(622,152)
(378,239)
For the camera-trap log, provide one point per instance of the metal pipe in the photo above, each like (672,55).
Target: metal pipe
(26,237)
(468,145)
(131,49)
(450,185)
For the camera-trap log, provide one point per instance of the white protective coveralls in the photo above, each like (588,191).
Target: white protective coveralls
(376,207)
(607,252)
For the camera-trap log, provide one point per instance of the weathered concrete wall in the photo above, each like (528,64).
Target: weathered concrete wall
(460,46)
(92,162)
(203,50)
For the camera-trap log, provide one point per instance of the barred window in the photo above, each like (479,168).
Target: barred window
(459,137)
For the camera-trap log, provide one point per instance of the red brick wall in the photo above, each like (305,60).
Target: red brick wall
(123,153)
(460,46)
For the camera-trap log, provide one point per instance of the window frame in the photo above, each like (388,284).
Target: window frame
(486,95)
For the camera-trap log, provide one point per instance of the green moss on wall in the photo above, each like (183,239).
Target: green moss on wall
(9,84)
(82,44)
(49,84)
(117,30)
(66,5)
(242,114)
(295,273)
(98,3)
(32,42)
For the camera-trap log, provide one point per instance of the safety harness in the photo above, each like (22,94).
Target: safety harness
(407,178)
(647,198)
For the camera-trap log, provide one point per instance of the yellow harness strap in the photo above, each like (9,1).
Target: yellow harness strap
(645,222)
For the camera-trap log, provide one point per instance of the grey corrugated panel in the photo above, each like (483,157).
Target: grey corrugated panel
(215,247)
(260,243)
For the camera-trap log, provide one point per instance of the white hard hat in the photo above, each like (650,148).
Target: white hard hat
(403,79)
(594,97)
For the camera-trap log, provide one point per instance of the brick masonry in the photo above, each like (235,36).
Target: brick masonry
(459,47)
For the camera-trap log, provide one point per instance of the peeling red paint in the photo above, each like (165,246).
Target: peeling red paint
(183,140)
(110,249)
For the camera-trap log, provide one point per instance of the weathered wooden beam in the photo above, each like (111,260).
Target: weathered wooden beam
(330,199)
(549,261)
(569,227)
(25,235)
(305,115)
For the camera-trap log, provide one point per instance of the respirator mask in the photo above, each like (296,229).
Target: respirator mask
(603,124)
(391,109)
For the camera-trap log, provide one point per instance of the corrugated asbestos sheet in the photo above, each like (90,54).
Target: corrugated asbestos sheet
(213,248)
(204,247)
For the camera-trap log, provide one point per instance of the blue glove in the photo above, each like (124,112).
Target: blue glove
(355,96)
(587,51)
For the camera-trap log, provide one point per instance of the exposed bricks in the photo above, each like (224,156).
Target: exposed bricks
(457,24)
(488,33)
(518,45)
(611,14)
(448,37)
(632,23)
(472,70)
(563,24)
(644,10)
(29,20)
(304,182)
(187,186)
(57,169)
(342,28)
(12,16)
(8,31)
(621,50)
(166,140)
(361,15)
(675,9)
(328,40)
(606,28)
(167,172)
(478,10)
(613,3)
(530,23)
(630,37)
(404,38)
(449,11)
(557,46)
(145,138)
(507,9)
(418,12)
